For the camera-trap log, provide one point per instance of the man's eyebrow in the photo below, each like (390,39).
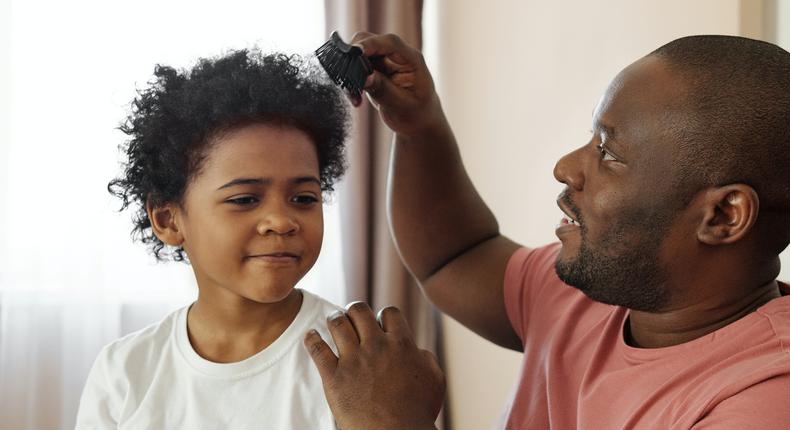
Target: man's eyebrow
(607,130)
(267,181)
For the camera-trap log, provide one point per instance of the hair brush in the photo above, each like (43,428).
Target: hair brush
(345,64)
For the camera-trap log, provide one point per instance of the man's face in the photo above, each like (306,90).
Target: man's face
(252,218)
(620,192)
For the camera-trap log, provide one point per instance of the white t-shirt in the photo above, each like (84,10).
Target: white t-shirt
(153,379)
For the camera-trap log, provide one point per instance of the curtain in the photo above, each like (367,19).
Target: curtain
(373,270)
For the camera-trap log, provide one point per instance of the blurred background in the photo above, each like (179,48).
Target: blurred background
(518,80)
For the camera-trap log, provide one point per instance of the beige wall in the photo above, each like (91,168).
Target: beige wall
(776,22)
(519,80)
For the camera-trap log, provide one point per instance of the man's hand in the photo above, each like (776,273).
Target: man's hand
(381,379)
(400,87)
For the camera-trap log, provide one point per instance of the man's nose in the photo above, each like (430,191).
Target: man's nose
(569,170)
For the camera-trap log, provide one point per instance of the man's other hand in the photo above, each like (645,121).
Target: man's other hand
(380,379)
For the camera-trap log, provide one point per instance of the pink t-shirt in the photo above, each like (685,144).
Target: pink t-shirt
(578,373)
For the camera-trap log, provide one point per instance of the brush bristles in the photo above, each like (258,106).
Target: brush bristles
(347,69)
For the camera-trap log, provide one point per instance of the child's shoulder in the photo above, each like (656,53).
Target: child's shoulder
(319,305)
(318,309)
(142,345)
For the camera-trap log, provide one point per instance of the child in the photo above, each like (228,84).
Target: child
(228,164)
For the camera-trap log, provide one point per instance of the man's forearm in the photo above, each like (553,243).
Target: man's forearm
(435,211)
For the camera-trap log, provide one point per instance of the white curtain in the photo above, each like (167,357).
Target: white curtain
(71,280)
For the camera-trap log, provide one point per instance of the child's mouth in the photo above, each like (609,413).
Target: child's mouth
(274,258)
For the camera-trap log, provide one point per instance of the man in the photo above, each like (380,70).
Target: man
(659,308)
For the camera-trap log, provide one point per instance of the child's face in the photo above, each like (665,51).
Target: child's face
(252,221)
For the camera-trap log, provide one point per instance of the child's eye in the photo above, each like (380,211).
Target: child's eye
(304,199)
(243,200)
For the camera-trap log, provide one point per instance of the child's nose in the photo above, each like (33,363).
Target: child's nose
(280,223)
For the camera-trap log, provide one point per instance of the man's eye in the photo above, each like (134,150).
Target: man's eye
(243,201)
(605,155)
(304,199)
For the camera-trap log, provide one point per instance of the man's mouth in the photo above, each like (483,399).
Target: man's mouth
(568,220)
(570,225)
(569,211)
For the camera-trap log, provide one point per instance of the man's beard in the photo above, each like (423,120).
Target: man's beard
(632,277)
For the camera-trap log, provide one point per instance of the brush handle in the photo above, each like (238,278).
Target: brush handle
(343,46)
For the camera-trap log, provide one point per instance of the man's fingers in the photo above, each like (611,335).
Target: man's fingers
(390,67)
(400,76)
(364,322)
(389,45)
(383,90)
(343,333)
(322,355)
(360,35)
(392,321)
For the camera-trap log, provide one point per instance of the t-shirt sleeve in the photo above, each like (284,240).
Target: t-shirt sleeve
(526,273)
(761,406)
(99,403)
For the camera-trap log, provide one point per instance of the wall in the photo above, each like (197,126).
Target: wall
(519,80)
(776,22)
(781,21)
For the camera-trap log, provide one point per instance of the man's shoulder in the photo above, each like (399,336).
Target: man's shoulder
(533,265)
(544,255)
(777,313)
(753,350)
(754,375)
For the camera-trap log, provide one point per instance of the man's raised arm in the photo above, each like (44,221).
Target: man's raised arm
(445,233)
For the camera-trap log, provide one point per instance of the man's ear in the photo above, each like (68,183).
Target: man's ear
(730,212)
(165,222)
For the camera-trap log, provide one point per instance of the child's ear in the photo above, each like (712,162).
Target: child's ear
(730,213)
(165,223)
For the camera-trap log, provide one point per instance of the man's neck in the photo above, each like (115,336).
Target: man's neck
(684,324)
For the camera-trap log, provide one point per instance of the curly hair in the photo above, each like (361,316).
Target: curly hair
(174,121)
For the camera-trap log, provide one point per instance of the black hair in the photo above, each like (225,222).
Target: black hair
(173,122)
(738,117)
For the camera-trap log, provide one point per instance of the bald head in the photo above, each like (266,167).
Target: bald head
(736,126)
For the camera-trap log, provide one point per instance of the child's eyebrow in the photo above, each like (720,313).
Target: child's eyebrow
(262,181)
(246,181)
(306,179)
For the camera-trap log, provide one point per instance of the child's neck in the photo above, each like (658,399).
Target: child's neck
(231,331)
